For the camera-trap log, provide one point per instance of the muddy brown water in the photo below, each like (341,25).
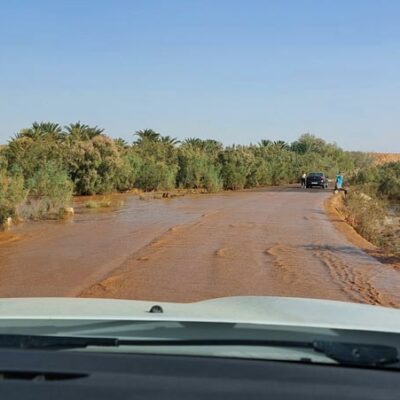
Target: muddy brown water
(274,242)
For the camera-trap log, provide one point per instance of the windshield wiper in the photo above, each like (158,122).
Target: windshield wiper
(52,342)
(370,355)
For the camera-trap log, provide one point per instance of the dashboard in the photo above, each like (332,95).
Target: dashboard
(43,374)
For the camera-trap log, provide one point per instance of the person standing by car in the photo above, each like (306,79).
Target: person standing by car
(303,180)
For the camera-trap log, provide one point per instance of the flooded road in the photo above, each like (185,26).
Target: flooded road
(270,242)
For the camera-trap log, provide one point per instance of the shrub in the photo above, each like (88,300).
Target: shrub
(212,180)
(236,165)
(366,175)
(197,170)
(366,213)
(389,180)
(50,191)
(12,193)
(261,174)
(156,175)
(234,176)
(127,173)
(93,165)
(28,155)
(98,203)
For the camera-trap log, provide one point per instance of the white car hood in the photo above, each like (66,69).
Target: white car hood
(277,311)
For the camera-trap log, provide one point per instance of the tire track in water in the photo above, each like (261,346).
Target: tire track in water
(282,256)
(354,282)
(114,280)
(300,273)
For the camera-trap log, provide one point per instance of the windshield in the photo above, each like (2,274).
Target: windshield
(179,152)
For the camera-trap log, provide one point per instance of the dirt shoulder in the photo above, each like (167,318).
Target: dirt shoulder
(332,207)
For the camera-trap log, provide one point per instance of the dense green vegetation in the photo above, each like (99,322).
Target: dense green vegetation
(372,205)
(382,180)
(43,166)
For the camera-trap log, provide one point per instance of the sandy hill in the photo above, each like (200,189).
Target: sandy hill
(384,158)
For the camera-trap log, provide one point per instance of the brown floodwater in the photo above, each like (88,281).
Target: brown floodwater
(276,242)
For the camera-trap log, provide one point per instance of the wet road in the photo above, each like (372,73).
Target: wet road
(269,242)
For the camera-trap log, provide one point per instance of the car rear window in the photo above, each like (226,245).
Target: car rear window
(316,174)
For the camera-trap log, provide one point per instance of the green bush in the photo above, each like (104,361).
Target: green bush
(12,193)
(383,180)
(367,175)
(212,180)
(234,175)
(366,213)
(93,165)
(197,170)
(261,174)
(98,203)
(156,175)
(29,153)
(389,180)
(52,188)
(126,175)
(236,166)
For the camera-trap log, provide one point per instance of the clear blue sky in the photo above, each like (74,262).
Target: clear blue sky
(236,71)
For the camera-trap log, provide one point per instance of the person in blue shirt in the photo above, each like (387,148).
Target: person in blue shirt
(339,181)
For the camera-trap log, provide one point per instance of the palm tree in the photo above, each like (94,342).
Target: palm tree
(308,143)
(209,146)
(265,143)
(281,145)
(42,130)
(170,140)
(193,141)
(147,135)
(212,146)
(78,131)
(121,143)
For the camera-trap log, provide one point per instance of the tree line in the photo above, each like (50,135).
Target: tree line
(42,166)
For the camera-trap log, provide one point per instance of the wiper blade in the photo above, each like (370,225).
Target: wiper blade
(59,342)
(52,342)
(344,353)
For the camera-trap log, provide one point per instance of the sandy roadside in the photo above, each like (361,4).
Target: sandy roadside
(332,207)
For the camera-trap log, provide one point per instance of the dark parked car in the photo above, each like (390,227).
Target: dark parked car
(316,179)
